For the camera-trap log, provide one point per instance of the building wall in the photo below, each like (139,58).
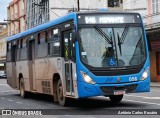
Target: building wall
(153,66)
(3,36)
(16,17)
(150,11)
(47,10)
(37,12)
(22,15)
(136,6)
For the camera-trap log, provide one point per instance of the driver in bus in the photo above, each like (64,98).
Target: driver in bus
(109,53)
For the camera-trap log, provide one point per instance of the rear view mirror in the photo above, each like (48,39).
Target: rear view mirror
(149,44)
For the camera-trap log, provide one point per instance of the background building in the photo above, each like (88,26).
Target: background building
(3,36)
(150,11)
(16,17)
(42,11)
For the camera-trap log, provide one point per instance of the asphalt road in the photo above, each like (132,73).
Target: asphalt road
(90,107)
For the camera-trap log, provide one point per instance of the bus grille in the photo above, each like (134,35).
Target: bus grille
(46,87)
(109,90)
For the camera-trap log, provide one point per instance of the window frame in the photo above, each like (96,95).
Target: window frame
(54,40)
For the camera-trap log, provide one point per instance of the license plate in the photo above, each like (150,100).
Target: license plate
(119,92)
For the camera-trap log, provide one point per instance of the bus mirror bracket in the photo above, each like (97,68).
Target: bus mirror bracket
(149,45)
(74,35)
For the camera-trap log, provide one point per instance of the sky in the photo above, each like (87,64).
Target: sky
(3,9)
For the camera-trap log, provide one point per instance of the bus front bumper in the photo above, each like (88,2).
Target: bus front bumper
(90,90)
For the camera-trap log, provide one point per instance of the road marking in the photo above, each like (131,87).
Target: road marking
(135,96)
(2,98)
(141,102)
(157,98)
(3,84)
(155,90)
(10,100)
(18,102)
(8,91)
(144,97)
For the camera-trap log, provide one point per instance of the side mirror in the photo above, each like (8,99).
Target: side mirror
(74,36)
(149,44)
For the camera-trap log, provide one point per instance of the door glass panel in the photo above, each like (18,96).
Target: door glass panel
(67,77)
(67,57)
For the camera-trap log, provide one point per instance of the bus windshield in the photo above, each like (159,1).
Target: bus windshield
(112,46)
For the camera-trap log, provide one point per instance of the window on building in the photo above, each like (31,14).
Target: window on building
(113,3)
(155,6)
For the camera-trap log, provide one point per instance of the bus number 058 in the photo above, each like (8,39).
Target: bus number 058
(132,78)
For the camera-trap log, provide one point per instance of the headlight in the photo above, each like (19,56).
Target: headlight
(87,78)
(145,74)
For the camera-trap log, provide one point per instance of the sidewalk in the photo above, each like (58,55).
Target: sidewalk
(155,84)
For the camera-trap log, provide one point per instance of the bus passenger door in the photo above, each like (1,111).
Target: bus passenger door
(69,64)
(31,65)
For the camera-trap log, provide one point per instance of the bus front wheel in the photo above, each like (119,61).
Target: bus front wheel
(23,93)
(61,98)
(116,98)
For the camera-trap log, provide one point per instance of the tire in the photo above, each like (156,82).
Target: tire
(116,98)
(61,98)
(23,93)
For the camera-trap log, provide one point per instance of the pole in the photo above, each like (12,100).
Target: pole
(78,5)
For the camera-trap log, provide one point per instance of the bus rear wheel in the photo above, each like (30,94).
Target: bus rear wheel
(23,93)
(61,98)
(116,98)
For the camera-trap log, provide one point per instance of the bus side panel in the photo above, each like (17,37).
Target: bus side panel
(22,68)
(45,69)
(43,83)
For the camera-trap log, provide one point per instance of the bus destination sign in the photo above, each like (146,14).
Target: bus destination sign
(108,19)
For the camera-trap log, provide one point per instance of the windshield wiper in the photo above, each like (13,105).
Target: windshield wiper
(104,35)
(121,40)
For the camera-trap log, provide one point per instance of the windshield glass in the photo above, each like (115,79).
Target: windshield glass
(112,47)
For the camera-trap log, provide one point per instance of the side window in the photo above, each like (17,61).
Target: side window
(54,45)
(50,33)
(13,52)
(9,51)
(24,42)
(8,46)
(18,44)
(23,48)
(42,37)
(72,45)
(42,49)
(18,49)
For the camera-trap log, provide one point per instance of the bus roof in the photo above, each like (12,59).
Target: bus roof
(43,26)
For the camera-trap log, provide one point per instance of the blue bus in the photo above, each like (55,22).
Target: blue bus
(80,55)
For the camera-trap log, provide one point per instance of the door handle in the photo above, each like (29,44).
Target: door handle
(59,63)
